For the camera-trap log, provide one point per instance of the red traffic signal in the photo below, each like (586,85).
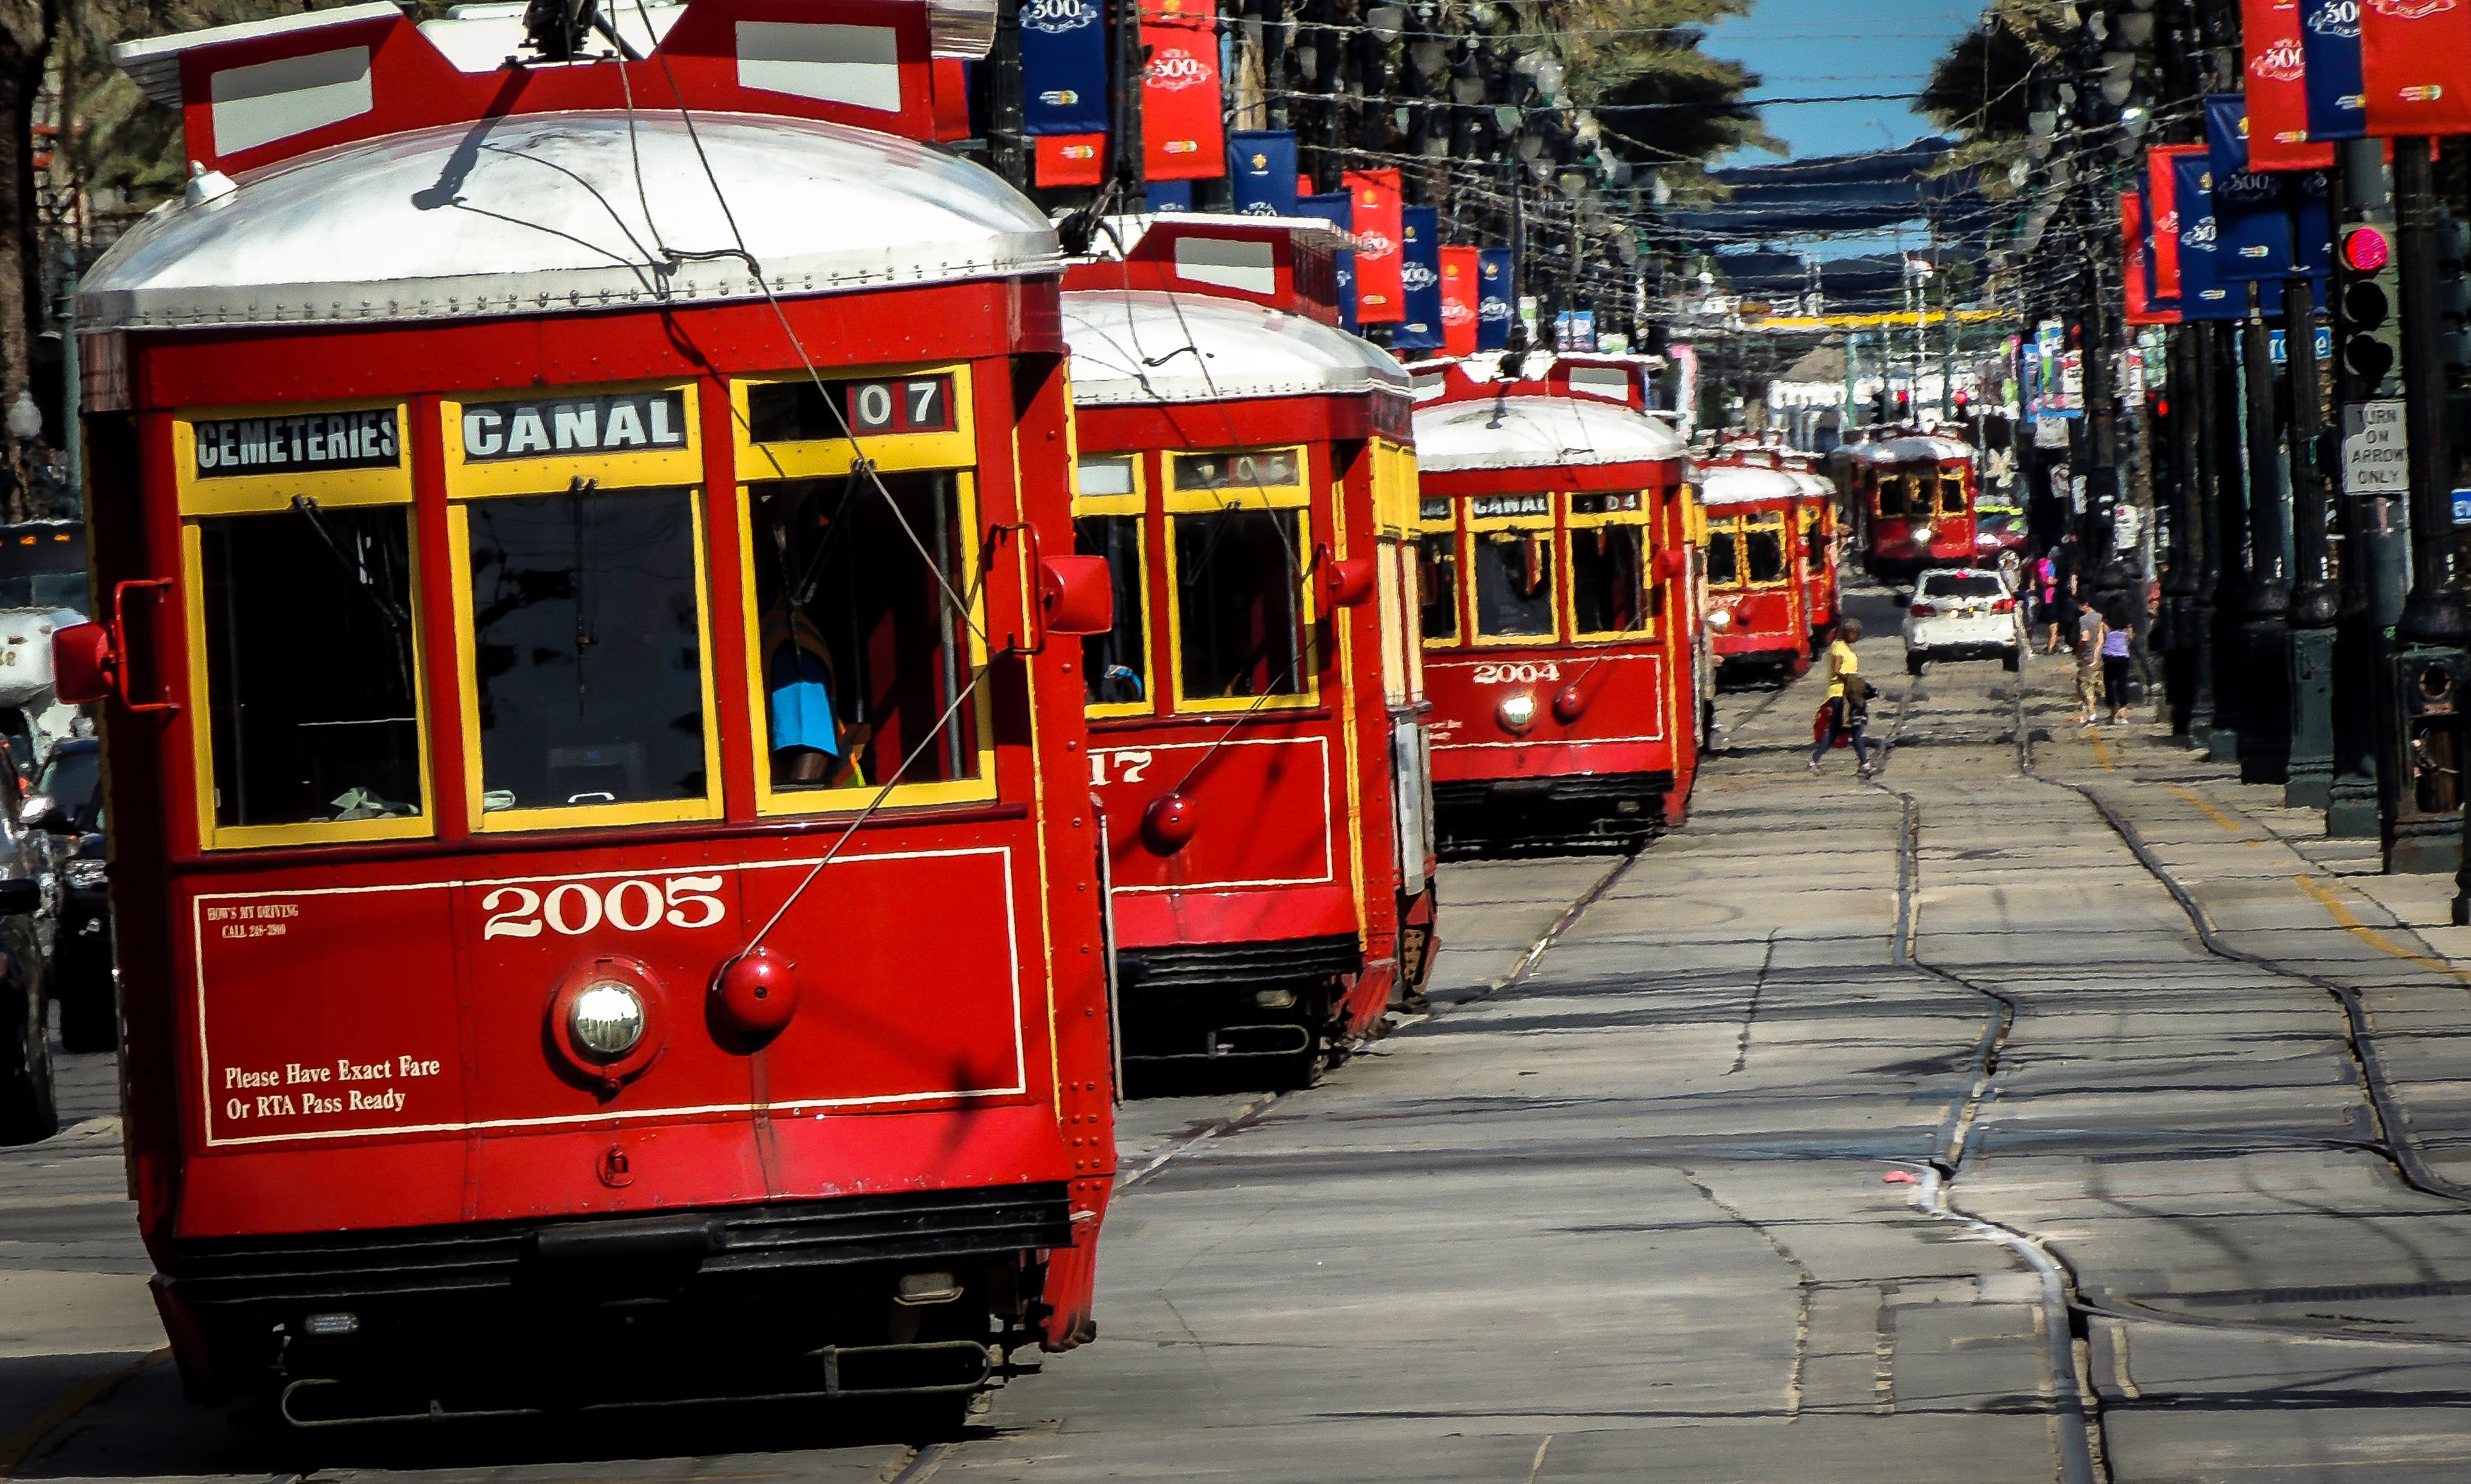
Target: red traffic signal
(2364,250)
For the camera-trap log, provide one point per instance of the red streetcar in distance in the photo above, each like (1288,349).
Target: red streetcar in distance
(1912,499)
(609,906)
(1257,742)
(1823,553)
(1770,563)
(1556,582)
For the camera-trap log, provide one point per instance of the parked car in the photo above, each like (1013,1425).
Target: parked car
(1963,613)
(27,1109)
(67,806)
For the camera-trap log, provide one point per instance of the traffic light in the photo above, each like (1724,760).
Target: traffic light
(2367,292)
(2452,300)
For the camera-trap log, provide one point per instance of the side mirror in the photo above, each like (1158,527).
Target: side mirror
(1077,594)
(40,811)
(1671,563)
(83,663)
(1347,584)
(20,895)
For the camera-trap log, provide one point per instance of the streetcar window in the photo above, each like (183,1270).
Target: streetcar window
(1437,584)
(867,667)
(1514,584)
(1251,469)
(1116,666)
(310,662)
(1111,475)
(1608,579)
(1892,497)
(1763,543)
(1951,493)
(1239,621)
(1723,557)
(587,648)
(1815,540)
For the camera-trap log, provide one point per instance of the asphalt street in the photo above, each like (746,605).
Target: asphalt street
(2052,1106)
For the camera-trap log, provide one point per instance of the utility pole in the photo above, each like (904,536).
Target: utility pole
(2189,668)
(2312,604)
(2265,726)
(2228,530)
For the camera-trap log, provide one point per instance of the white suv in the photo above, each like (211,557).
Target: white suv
(1963,613)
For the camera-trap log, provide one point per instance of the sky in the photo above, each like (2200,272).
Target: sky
(1825,48)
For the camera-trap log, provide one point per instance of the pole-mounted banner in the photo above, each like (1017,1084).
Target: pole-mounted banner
(1420,273)
(2329,41)
(1492,308)
(1462,269)
(1184,131)
(2136,272)
(2162,202)
(1063,70)
(1381,281)
(1261,167)
(2415,67)
(2276,130)
(1338,209)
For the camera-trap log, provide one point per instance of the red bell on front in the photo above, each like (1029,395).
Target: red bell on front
(1168,824)
(1569,702)
(757,993)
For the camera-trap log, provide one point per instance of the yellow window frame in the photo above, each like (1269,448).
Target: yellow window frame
(653,811)
(824,458)
(771,800)
(1128,507)
(1297,497)
(552,473)
(1575,521)
(1772,519)
(246,495)
(1476,526)
(1449,525)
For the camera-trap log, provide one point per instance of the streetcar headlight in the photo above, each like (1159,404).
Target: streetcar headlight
(607,1019)
(83,873)
(1518,713)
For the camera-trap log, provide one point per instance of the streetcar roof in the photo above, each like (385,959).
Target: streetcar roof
(1907,449)
(1137,346)
(545,213)
(1521,432)
(1729,484)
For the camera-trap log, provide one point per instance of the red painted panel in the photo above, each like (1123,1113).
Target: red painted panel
(1162,918)
(1625,712)
(1263,803)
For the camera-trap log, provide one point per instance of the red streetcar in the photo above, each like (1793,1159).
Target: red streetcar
(1912,500)
(1556,595)
(1822,555)
(1257,742)
(608,896)
(1770,563)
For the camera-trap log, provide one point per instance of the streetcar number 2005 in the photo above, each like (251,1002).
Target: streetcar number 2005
(1516,673)
(574,908)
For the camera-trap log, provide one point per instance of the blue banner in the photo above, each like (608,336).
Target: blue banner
(1337,208)
(1493,309)
(2227,133)
(1262,165)
(1420,273)
(2251,229)
(2204,292)
(2329,45)
(1167,195)
(2312,224)
(1063,68)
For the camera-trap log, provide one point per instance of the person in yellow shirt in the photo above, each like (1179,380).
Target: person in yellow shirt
(1849,699)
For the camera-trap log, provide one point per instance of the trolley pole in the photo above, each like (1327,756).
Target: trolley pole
(2265,724)
(2311,605)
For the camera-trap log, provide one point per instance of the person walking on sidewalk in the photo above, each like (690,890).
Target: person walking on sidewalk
(2088,651)
(2114,664)
(1848,700)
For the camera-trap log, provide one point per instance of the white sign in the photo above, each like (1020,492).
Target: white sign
(2375,459)
(2126,522)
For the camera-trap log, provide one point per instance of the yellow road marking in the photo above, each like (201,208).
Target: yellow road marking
(2101,754)
(2350,920)
(2211,813)
(17,1447)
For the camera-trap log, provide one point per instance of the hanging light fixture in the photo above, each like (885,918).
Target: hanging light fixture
(1386,21)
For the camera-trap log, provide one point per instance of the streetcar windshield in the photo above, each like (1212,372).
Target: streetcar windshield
(1891,496)
(1951,493)
(1815,544)
(1608,579)
(1724,557)
(73,781)
(1437,584)
(1514,584)
(867,665)
(1763,544)
(1116,666)
(587,648)
(1240,626)
(311,701)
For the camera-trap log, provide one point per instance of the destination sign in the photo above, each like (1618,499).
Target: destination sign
(304,443)
(1486,505)
(543,427)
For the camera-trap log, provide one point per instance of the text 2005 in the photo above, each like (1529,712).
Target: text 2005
(574,908)
(1516,673)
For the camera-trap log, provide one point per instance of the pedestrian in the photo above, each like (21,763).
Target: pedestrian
(1848,700)
(2046,584)
(2114,664)
(2089,631)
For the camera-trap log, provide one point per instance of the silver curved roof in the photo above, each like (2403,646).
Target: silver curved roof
(540,213)
(1902,448)
(1137,346)
(1729,484)
(1524,432)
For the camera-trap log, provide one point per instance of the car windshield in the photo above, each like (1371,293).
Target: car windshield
(1962,585)
(70,780)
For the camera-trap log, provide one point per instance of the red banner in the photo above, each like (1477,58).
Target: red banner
(2134,244)
(2161,196)
(1072,159)
(2415,67)
(1460,268)
(2278,89)
(1380,282)
(1183,135)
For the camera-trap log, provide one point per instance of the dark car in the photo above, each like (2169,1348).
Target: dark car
(28,1111)
(67,804)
